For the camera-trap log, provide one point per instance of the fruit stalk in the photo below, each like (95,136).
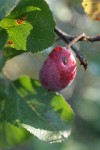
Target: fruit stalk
(66,38)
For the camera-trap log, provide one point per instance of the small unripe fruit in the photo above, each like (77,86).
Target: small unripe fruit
(58,70)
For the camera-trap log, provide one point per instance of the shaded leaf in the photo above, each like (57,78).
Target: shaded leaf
(3,85)
(3,38)
(44,114)
(6,54)
(2,62)
(10,52)
(11,135)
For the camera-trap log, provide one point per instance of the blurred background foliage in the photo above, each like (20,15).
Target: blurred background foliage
(84,93)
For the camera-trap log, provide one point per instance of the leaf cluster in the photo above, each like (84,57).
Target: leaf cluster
(25,107)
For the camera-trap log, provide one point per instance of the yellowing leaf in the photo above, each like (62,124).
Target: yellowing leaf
(92,9)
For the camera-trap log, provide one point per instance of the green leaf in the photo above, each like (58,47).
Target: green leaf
(2,62)
(10,52)
(45,114)
(11,135)
(3,85)
(3,41)
(30,26)
(6,7)
(3,38)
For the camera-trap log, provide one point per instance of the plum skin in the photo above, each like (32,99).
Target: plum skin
(58,70)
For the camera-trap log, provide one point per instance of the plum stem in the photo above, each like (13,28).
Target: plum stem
(75,40)
(71,43)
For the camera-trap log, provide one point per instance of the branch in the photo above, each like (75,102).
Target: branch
(66,38)
(85,37)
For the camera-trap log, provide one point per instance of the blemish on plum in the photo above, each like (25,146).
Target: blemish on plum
(59,48)
(64,60)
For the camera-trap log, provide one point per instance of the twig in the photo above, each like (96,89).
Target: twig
(81,58)
(75,40)
(70,43)
(84,38)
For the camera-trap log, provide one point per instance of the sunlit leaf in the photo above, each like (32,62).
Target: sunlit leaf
(30,26)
